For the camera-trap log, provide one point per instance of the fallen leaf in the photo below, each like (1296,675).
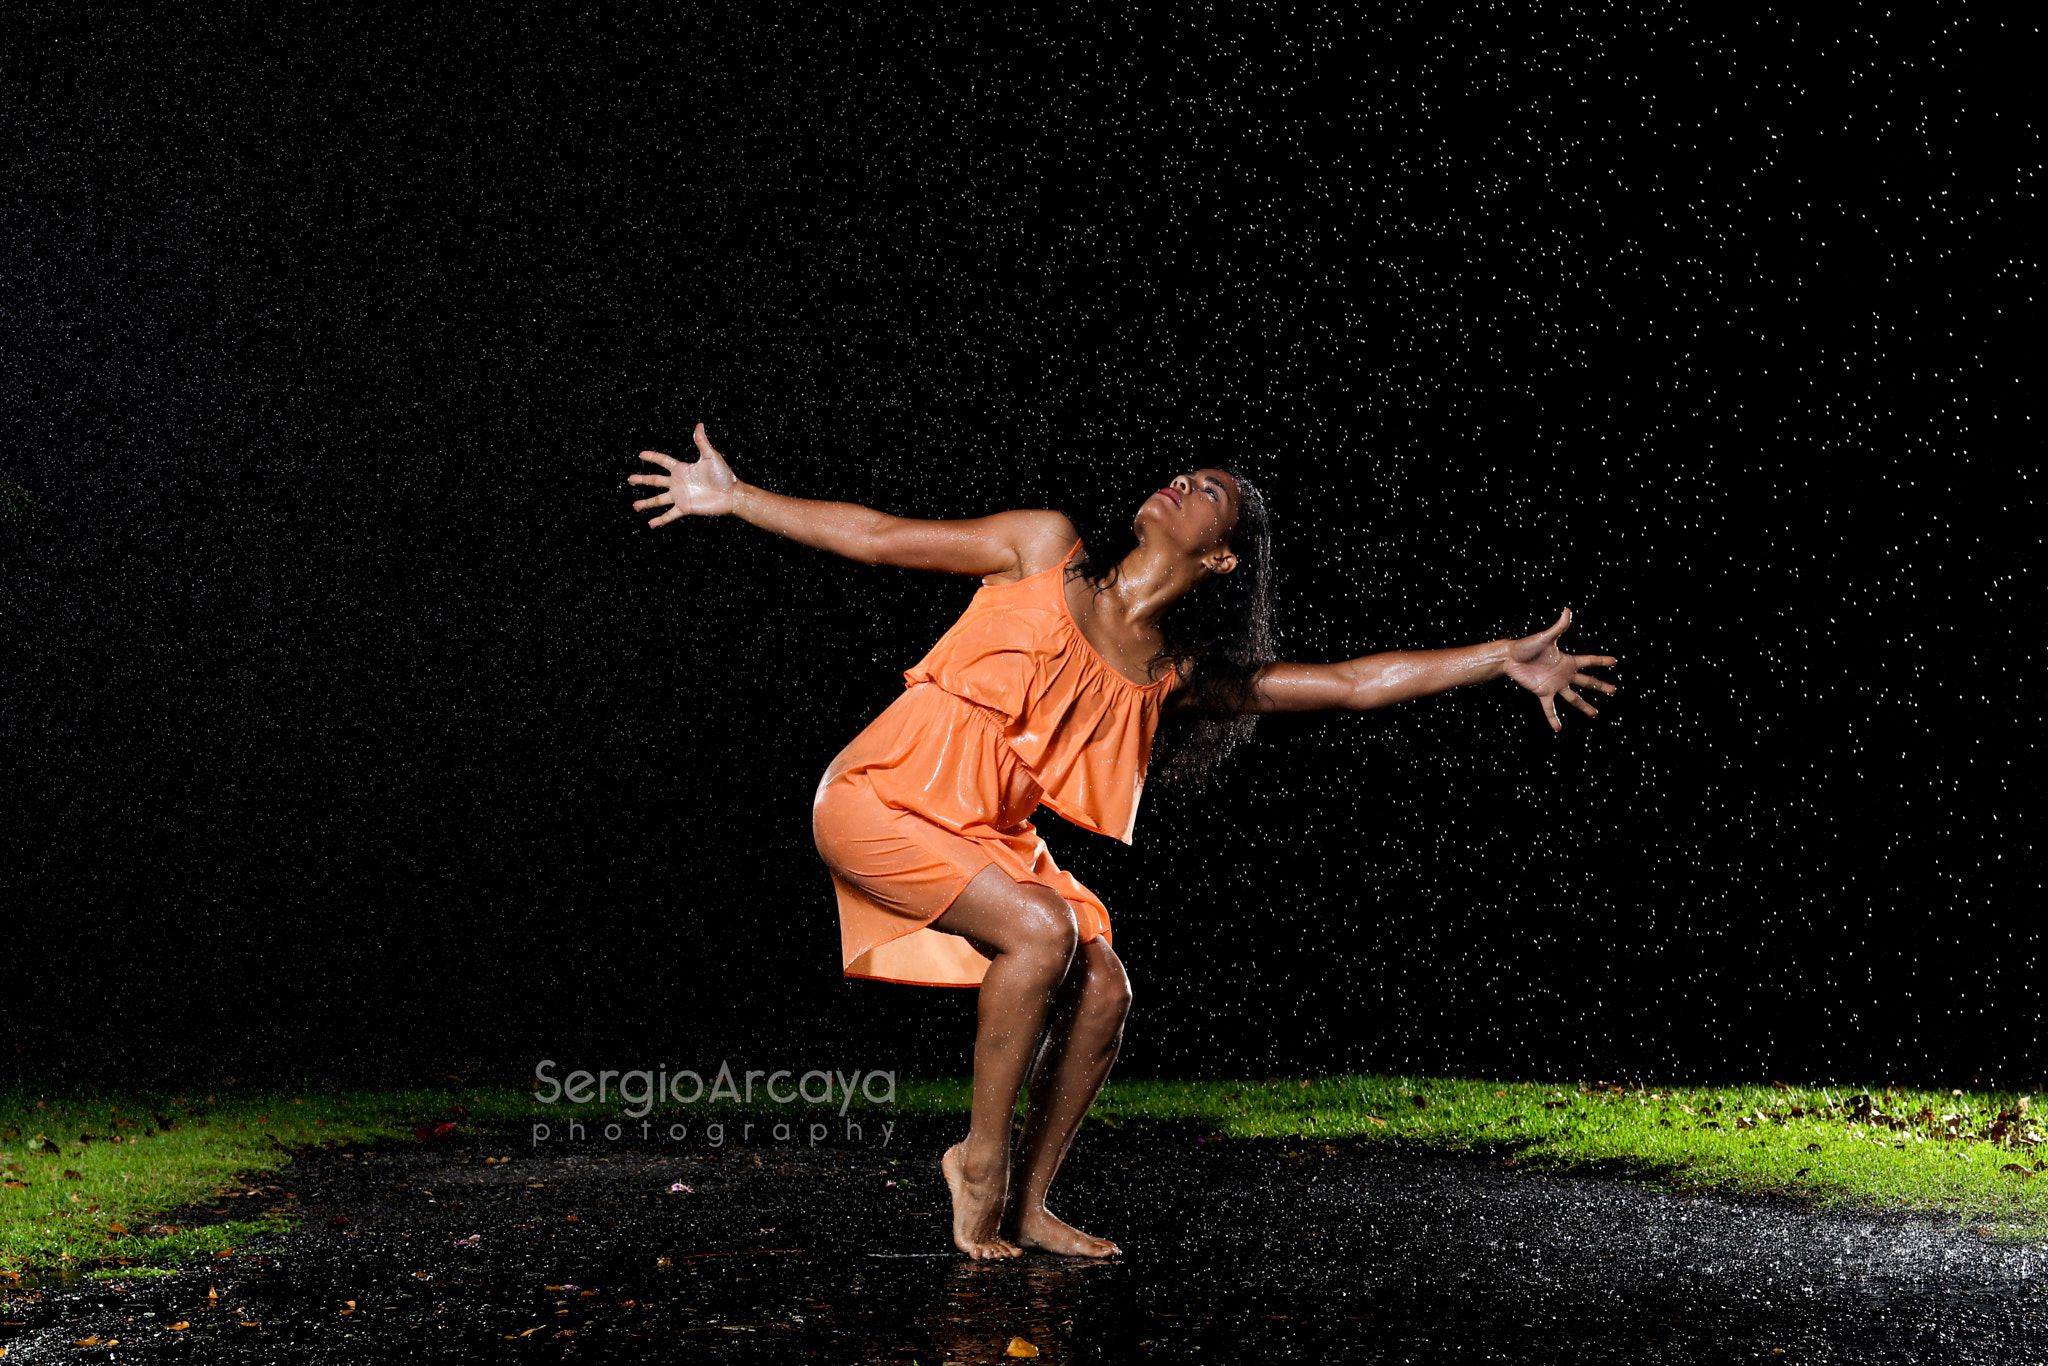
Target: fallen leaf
(531,1331)
(86,1342)
(70,1175)
(1020,1348)
(117,1228)
(180,1326)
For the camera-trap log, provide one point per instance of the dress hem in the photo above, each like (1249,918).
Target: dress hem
(907,981)
(1105,934)
(951,897)
(1060,809)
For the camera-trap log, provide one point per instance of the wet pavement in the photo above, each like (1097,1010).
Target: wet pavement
(1235,1252)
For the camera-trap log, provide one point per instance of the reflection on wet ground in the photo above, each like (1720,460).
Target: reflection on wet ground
(1234,1252)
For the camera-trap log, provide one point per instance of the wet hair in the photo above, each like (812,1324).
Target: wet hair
(1224,626)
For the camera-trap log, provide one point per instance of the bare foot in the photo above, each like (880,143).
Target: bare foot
(977,1208)
(1044,1231)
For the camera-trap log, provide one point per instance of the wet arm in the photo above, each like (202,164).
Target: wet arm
(998,545)
(1379,680)
(974,545)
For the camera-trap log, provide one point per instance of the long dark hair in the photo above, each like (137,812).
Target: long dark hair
(1224,627)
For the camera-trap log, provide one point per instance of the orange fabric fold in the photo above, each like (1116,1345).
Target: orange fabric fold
(1011,708)
(1083,729)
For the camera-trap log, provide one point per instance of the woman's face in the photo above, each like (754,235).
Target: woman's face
(1196,512)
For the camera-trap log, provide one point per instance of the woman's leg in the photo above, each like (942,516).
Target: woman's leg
(1028,934)
(1087,1029)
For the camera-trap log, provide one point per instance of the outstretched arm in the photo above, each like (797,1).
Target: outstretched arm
(1381,680)
(997,545)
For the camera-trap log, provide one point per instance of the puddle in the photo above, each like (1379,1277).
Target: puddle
(1234,1252)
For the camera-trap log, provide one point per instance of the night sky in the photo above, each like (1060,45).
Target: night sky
(351,719)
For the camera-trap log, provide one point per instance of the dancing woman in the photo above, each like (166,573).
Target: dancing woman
(1051,689)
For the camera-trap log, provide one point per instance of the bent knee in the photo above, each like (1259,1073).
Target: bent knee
(1116,997)
(1108,997)
(1050,929)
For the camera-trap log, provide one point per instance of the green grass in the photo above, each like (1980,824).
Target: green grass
(86,1179)
(75,1200)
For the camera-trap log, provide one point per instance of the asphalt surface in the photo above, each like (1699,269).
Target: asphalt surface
(1234,1252)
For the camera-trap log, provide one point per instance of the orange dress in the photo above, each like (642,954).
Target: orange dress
(1013,707)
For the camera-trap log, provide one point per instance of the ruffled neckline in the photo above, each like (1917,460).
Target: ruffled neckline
(1067,616)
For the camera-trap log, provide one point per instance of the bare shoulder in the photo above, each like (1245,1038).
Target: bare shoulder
(1041,538)
(1178,698)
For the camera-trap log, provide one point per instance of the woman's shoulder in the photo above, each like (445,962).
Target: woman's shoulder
(1180,696)
(1042,538)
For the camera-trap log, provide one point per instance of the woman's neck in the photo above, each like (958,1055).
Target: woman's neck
(1142,587)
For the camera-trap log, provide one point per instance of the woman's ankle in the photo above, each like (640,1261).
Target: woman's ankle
(981,1162)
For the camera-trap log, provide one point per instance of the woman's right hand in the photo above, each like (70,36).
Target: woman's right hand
(701,488)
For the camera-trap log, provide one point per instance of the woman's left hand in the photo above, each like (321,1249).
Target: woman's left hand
(1537,664)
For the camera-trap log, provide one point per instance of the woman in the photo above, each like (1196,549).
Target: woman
(1051,688)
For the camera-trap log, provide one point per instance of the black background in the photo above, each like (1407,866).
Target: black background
(351,719)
